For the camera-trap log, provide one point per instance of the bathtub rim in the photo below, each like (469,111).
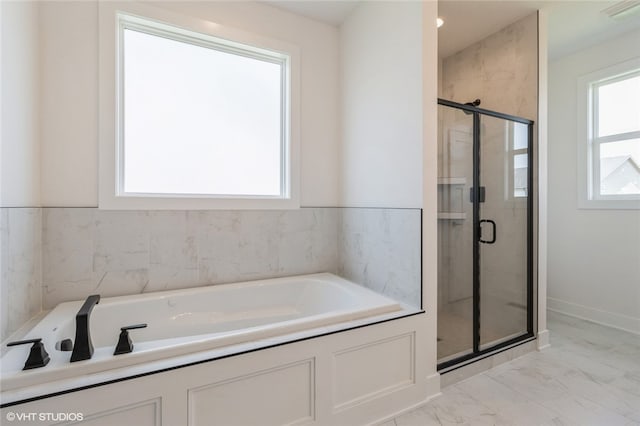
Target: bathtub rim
(315,325)
(326,278)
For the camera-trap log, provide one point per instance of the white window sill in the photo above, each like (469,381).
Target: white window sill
(189,203)
(609,204)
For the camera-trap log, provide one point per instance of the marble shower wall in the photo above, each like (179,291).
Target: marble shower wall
(86,250)
(501,70)
(20,267)
(381,249)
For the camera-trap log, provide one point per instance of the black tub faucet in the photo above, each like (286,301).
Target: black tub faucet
(82,345)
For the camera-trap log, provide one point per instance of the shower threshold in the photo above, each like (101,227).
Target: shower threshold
(450,363)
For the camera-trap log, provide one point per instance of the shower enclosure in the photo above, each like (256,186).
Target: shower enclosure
(485,232)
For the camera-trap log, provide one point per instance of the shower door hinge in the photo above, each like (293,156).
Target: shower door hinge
(472,196)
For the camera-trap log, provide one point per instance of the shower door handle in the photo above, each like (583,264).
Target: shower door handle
(493,225)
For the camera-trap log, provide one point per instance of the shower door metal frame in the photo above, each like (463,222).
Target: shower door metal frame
(478,353)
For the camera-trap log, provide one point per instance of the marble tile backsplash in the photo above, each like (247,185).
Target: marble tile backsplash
(20,267)
(53,255)
(381,249)
(87,250)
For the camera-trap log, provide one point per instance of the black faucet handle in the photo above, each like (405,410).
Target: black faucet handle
(24,342)
(38,356)
(125,344)
(133,327)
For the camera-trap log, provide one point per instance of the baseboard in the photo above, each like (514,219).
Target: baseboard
(610,319)
(543,340)
(433,386)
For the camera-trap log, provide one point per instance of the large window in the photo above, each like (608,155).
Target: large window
(198,116)
(613,136)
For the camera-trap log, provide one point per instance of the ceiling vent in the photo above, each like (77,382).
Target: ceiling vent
(622,9)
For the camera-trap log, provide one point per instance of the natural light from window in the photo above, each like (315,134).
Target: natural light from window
(198,120)
(619,172)
(520,170)
(616,140)
(619,107)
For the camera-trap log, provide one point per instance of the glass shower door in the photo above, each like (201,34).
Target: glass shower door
(455,234)
(485,237)
(503,238)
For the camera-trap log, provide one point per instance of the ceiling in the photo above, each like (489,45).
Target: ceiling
(573,24)
(328,11)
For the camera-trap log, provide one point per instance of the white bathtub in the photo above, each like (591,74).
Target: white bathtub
(192,320)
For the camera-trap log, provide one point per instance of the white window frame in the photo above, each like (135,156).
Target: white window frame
(113,18)
(589,144)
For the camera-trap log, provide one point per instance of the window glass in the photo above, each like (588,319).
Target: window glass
(520,175)
(520,136)
(620,167)
(200,120)
(619,107)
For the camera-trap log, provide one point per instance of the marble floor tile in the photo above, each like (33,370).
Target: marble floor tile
(558,421)
(453,408)
(512,407)
(582,411)
(423,416)
(589,376)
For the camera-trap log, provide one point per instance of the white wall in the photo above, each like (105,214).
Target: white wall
(382,112)
(594,255)
(541,229)
(19,148)
(20,227)
(69,78)
(430,191)
(70,99)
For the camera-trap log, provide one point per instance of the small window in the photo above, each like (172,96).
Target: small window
(517,167)
(200,117)
(614,137)
(520,153)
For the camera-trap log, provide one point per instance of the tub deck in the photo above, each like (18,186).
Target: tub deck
(183,322)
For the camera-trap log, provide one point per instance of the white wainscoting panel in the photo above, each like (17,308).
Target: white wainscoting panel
(364,373)
(284,395)
(146,413)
